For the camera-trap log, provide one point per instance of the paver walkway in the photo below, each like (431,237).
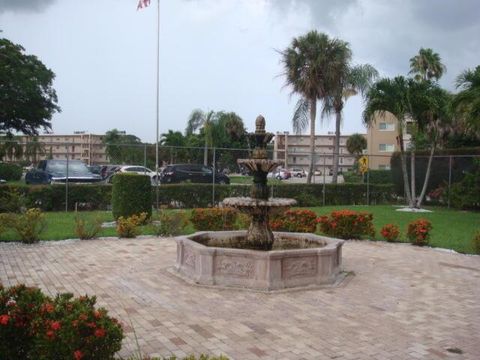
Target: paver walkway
(403,302)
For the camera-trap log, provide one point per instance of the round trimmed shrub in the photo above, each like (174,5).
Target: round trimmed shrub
(131,195)
(10,172)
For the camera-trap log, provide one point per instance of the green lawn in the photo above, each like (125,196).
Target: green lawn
(452,229)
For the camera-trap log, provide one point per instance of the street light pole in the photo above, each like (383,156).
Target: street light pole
(158,100)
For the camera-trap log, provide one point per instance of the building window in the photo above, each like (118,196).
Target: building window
(386,147)
(341,160)
(386,126)
(294,159)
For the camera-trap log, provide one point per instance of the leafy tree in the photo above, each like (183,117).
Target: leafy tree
(12,149)
(123,148)
(347,83)
(310,64)
(467,102)
(356,143)
(427,65)
(202,120)
(27,98)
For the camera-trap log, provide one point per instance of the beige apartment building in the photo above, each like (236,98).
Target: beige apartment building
(382,141)
(78,146)
(294,150)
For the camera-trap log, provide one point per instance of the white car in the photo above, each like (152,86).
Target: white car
(298,172)
(141,170)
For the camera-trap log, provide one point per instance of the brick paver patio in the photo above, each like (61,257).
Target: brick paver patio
(402,302)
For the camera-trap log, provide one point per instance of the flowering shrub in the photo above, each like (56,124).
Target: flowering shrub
(128,227)
(476,243)
(418,232)
(213,219)
(304,221)
(30,225)
(347,224)
(168,224)
(87,229)
(35,326)
(390,232)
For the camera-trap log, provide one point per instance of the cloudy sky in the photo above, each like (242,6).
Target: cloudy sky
(220,54)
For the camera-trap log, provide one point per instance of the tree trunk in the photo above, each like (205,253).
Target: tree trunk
(336,151)
(427,177)
(404,165)
(313,115)
(205,152)
(412,179)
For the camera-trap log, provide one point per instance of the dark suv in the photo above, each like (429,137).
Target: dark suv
(52,171)
(194,173)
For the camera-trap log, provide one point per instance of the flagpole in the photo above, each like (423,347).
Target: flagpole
(158,105)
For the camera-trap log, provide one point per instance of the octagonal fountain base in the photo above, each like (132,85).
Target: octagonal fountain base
(297,260)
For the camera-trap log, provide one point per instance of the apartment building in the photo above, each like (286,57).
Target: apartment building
(78,146)
(382,140)
(294,150)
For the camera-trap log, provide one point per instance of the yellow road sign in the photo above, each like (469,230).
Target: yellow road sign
(363,164)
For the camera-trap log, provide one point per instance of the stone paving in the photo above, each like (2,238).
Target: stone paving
(402,302)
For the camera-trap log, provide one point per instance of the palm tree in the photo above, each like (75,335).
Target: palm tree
(12,148)
(310,64)
(199,119)
(391,95)
(350,82)
(467,102)
(427,65)
(33,149)
(356,143)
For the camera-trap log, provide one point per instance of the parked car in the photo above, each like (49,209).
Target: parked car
(95,169)
(2,181)
(194,173)
(108,170)
(56,171)
(141,170)
(298,172)
(280,174)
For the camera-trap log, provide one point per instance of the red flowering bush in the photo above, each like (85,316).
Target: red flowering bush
(347,224)
(390,232)
(213,219)
(35,326)
(304,221)
(418,231)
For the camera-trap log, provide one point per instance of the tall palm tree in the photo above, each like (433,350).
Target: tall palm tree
(467,102)
(310,64)
(202,120)
(391,95)
(33,149)
(12,148)
(427,65)
(350,82)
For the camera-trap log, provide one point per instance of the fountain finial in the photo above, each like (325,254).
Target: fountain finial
(260,125)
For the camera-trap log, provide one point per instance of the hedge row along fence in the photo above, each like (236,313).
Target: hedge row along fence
(99,197)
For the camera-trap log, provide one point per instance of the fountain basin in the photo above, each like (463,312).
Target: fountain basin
(297,260)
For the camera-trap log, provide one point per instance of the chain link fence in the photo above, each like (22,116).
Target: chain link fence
(366,171)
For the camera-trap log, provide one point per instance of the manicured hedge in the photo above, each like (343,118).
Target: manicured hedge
(10,172)
(131,195)
(93,197)
(374,177)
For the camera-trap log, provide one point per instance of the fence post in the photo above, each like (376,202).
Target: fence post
(66,183)
(145,155)
(213,176)
(449,178)
(324,186)
(368,179)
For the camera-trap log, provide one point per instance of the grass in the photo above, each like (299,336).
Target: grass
(452,229)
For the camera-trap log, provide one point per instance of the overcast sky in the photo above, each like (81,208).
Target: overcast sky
(220,54)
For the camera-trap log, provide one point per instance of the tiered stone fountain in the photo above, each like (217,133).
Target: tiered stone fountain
(257,258)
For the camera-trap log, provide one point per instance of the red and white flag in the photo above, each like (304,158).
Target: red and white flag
(142,4)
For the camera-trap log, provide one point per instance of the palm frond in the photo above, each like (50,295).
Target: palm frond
(301,116)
